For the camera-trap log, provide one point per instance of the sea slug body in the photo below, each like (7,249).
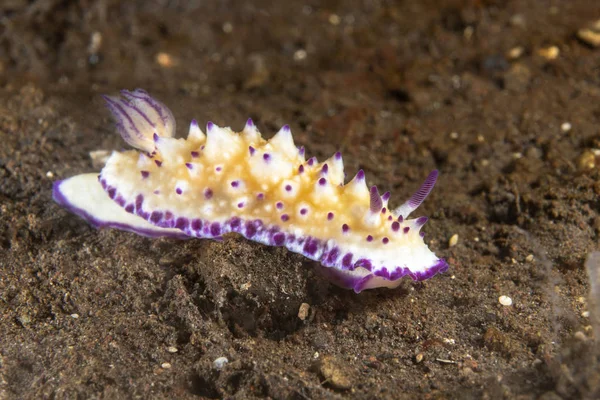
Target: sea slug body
(218,182)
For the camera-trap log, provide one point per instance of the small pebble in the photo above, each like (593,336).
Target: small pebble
(585,314)
(165,60)
(220,363)
(586,161)
(505,301)
(566,127)
(165,365)
(518,20)
(529,258)
(419,357)
(303,311)
(453,240)
(227,27)
(300,55)
(49,174)
(74,316)
(334,19)
(172,349)
(515,52)
(590,35)
(549,53)
(335,372)
(580,336)
(453,135)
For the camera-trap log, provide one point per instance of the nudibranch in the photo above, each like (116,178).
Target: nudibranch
(218,182)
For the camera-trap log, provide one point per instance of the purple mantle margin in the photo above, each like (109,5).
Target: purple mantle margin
(336,265)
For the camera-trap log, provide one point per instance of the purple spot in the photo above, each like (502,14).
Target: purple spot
(155,137)
(386,196)
(347,261)
(406,229)
(288,188)
(364,263)
(395,226)
(250,230)
(360,175)
(189,165)
(310,247)
(369,238)
(103,183)
(215,229)
(210,126)
(422,234)
(385,240)
(301,169)
(285,128)
(219,169)
(112,192)
(196,224)
(120,201)
(145,174)
(383,210)
(383,272)
(301,151)
(400,218)
(169,215)
(138,201)
(156,191)
(329,216)
(345,228)
(202,147)
(285,217)
(129,208)
(182,223)
(311,161)
(266,157)
(303,211)
(390,218)
(235,223)
(178,191)
(195,154)
(158,163)
(208,193)
(322,181)
(241,204)
(279,205)
(260,196)
(251,150)
(279,239)
(338,156)
(249,123)
(324,169)
(333,255)
(235,183)
(156,216)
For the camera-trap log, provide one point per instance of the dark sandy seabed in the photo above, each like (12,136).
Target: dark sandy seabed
(483,90)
